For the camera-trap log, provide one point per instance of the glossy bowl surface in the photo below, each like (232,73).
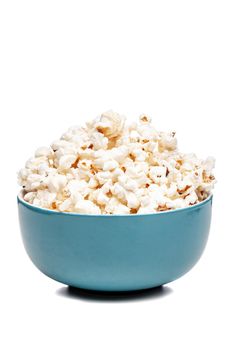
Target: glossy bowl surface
(115,252)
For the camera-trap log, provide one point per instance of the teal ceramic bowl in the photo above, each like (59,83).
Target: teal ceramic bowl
(115,252)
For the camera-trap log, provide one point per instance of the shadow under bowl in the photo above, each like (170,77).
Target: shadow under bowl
(115,252)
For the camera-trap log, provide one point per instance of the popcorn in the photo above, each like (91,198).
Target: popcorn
(56,182)
(98,141)
(66,205)
(66,161)
(121,209)
(101,198)
(93,183)
(110,124)
(120,153)
(86,207)
(191,198)
(172,190)
(158,174)
(77,189)
(146,210)
(167,142)
(33,163)
(134,136)
(139,155)
(209,164)
(147,133)
(132,201)
(144,119)
(127,183)
(30,196)
(47,198)
(103,176)
(119,191)
(111,167)
(43,152)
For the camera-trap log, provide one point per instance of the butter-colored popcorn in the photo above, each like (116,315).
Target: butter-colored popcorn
(111,167)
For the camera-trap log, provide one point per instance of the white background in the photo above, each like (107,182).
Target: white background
(64,62)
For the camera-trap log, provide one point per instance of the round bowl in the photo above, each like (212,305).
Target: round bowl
(115,252)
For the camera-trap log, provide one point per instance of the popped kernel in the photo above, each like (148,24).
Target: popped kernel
(112,167)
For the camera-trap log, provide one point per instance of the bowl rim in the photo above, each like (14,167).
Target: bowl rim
(55,212)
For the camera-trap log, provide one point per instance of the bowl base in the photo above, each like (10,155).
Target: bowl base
(82,293)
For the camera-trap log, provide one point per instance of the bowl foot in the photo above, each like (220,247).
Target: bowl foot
(82,293)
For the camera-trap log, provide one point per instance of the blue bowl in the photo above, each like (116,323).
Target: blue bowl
(115,252)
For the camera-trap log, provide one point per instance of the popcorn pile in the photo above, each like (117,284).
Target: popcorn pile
(110,167)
